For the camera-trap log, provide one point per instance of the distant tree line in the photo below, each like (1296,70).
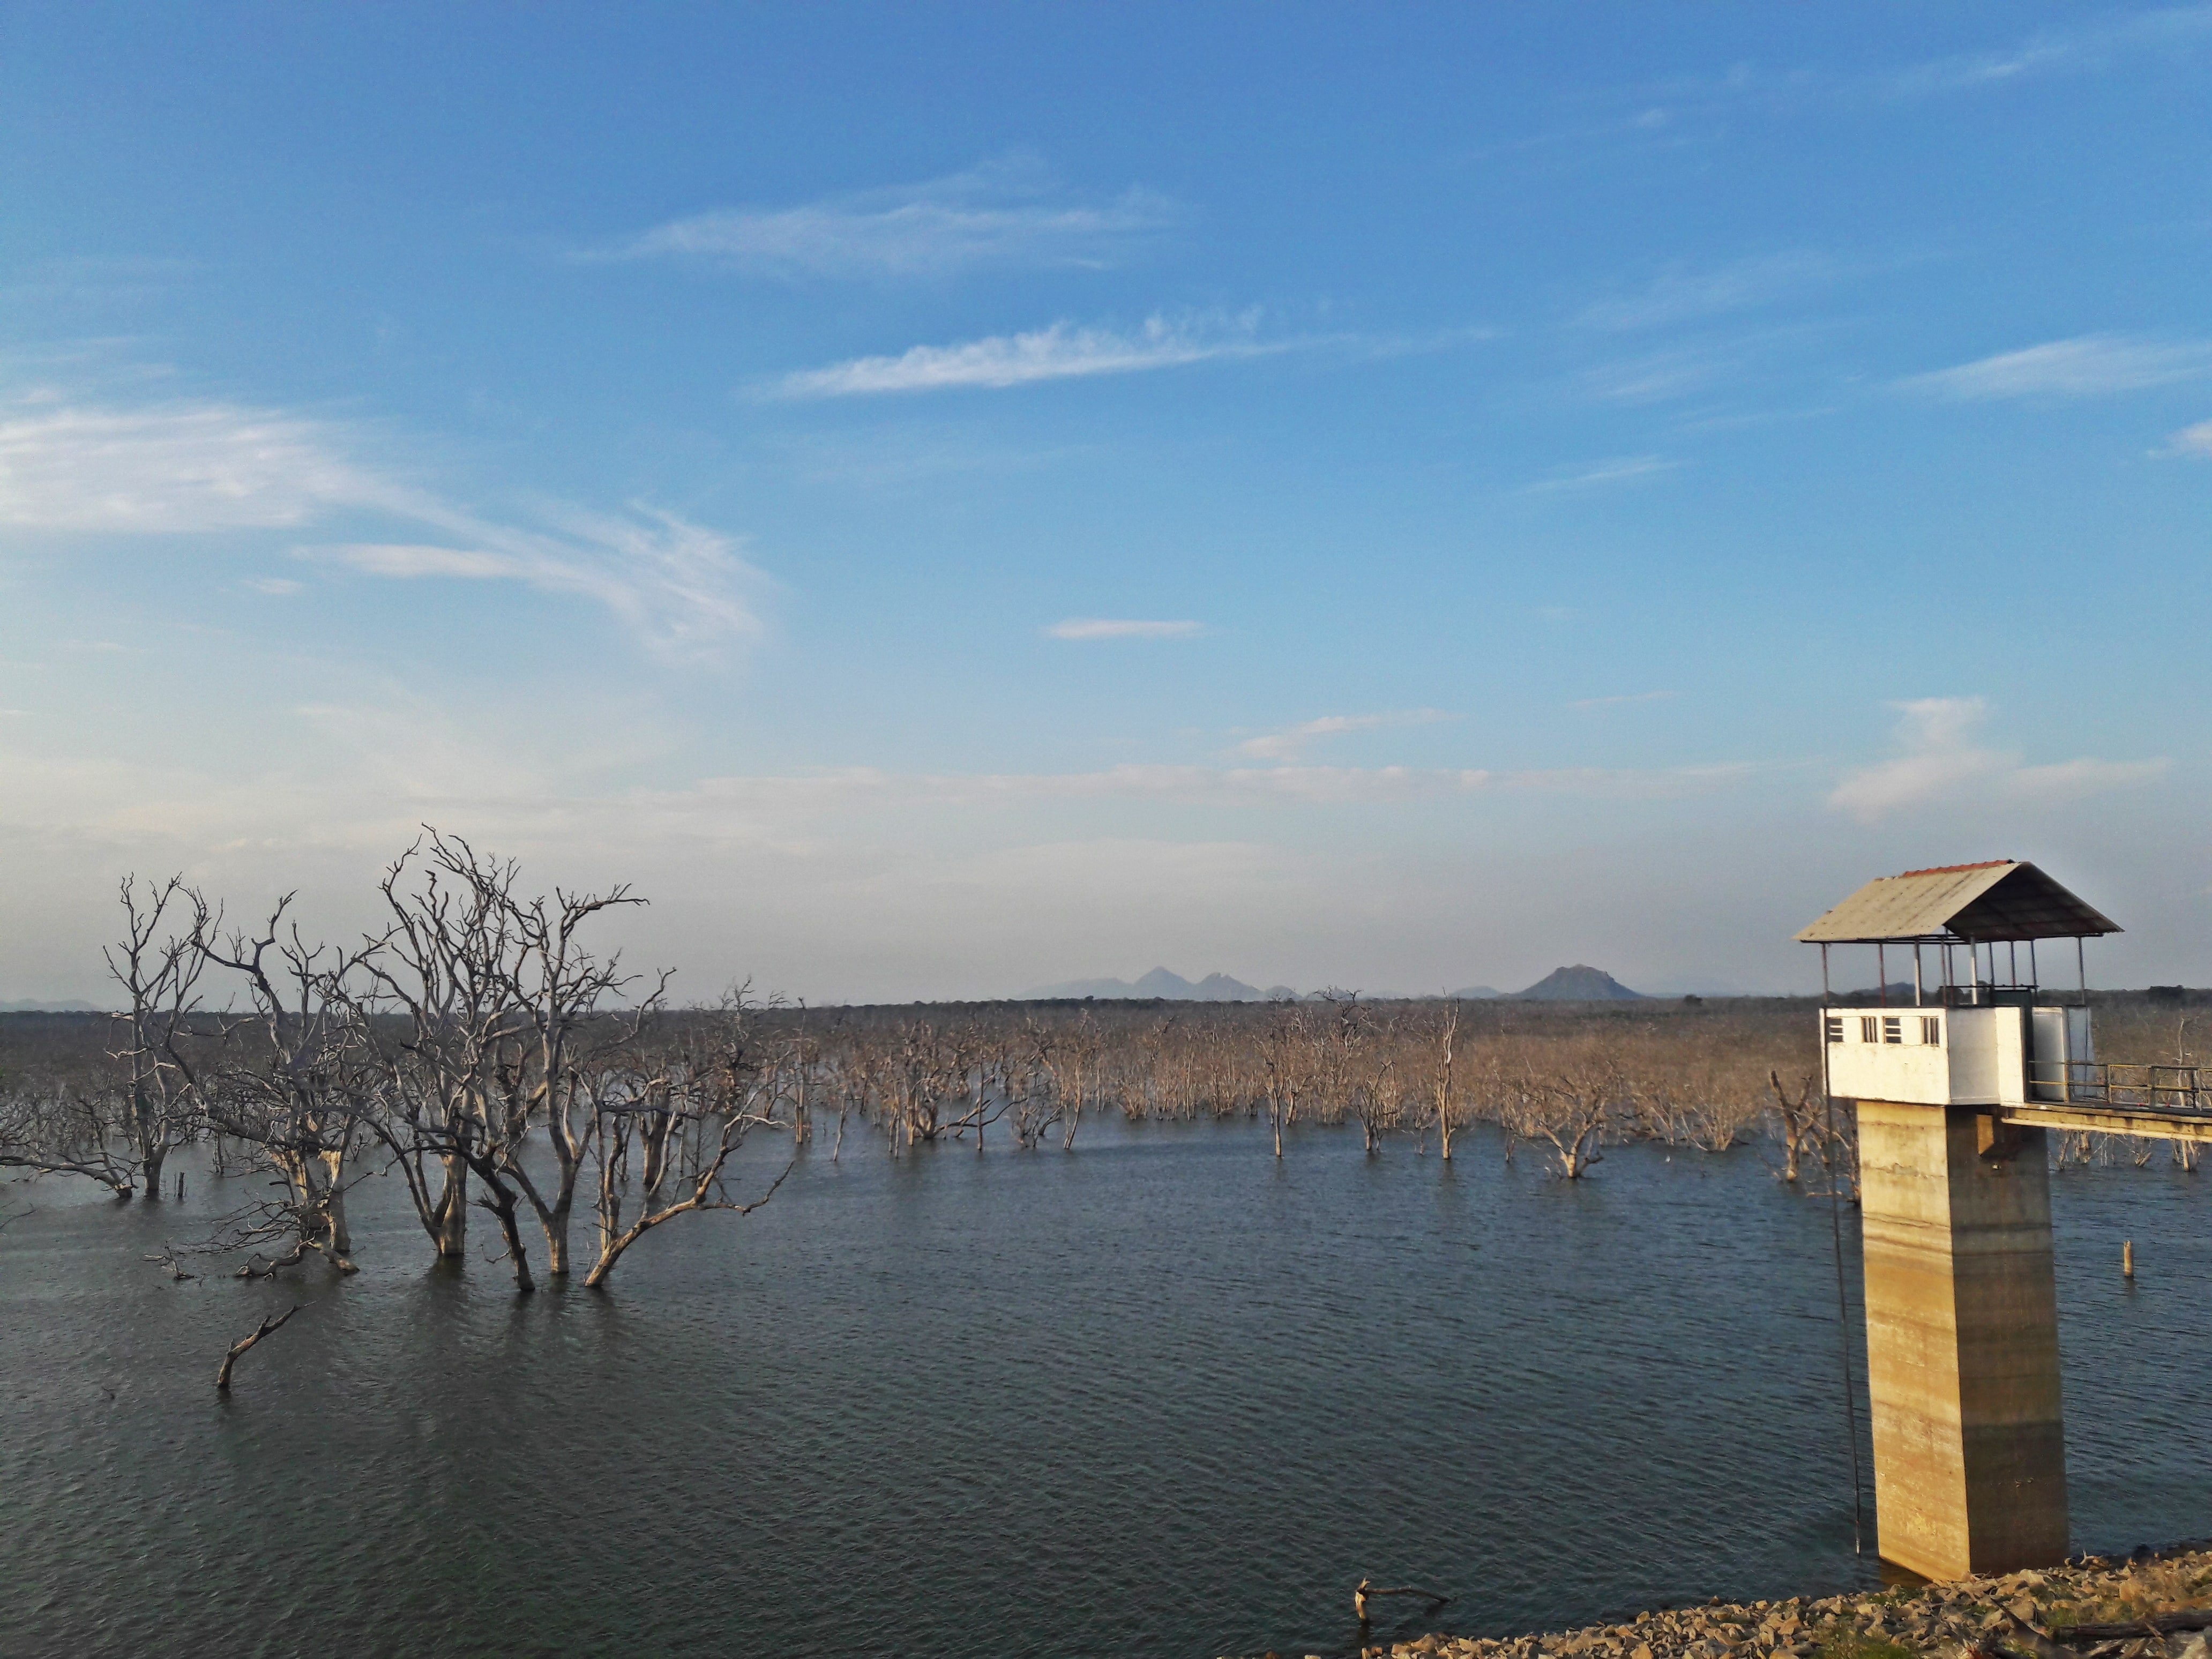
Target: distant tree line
(1562,1082)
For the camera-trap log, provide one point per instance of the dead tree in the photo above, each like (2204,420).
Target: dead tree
(1037,1106)
(159,962)
(438,1016)
(294,1080)
(65,1128)
(1283,1048)
(1801,1121)
(1072,1063)
(990,1082)
(1565,1100)
(1838,1147)
(456,1041)
(565,1039)
(710,1091)
(1715,1103)
(1443,1086)
(1340,1038)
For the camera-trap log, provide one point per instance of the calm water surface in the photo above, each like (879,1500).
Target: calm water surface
(1160,1396)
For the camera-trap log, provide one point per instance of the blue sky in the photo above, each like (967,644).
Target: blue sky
(946,500)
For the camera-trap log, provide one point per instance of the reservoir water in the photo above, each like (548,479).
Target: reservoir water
(1160,1395)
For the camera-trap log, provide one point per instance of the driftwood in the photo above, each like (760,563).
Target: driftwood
(2155,1624)
(2024,1641)
(168,1260)
(269,1323)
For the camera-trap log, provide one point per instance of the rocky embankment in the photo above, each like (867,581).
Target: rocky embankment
(2151,1606)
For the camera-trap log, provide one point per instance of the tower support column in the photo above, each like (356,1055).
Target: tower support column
(1962,1340)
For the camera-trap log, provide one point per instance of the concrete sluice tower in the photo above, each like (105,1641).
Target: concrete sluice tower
(1958,1078)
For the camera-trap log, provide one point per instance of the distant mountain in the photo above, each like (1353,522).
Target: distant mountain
(1579,983)
(1161,983)
(32,1005)
(1576,984)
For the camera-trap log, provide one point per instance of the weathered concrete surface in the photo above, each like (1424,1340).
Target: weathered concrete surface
(1962,1341)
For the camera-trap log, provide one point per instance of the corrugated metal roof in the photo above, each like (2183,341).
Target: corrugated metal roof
(2005,899)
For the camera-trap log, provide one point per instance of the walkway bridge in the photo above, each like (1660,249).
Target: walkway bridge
(2166,1103)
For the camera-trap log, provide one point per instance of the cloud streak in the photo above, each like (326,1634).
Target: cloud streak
(1009,213)
(1062,351)
(1943,762)
(1107,627)
(1282,745)
(206,468)
(2170,30)
(1627,469)
(172,469)
(1680,294)
(2193,441)
(683,588)
(2087,366)
(1615,702)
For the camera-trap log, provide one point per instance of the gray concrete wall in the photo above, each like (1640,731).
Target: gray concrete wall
(1962,1341)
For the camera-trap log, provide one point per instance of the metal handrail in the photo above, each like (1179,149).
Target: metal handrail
(2120,1085)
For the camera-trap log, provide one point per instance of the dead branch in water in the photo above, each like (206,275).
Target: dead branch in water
(1367,1592)
(269,1323)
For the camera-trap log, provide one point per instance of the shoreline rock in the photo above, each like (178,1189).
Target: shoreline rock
(2017,1615)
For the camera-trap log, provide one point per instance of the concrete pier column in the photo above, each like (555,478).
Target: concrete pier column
(1962,1341)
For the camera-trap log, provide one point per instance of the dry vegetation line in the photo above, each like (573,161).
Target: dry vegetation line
(477,1045)
(2156,1606)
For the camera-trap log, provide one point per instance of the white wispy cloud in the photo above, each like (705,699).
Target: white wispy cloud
(1683,293)
(186,468)
(1062,351)
(2099,45)
(1625,468)
(685,588)
(1944,760)
(171,468)
(2087,366)
(1655,377)
(1615,702)
(2193,441)
(1012,212)
(275,586)
(1281,745)
(1110,628)
(405,560)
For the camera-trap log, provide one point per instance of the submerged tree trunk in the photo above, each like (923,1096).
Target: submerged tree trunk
(1450,1031)
(1798,1122)
(451,1216)
(500,1200)
(153,1153)
(554,1221)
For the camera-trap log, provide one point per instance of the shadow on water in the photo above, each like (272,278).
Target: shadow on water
(1163,1396)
